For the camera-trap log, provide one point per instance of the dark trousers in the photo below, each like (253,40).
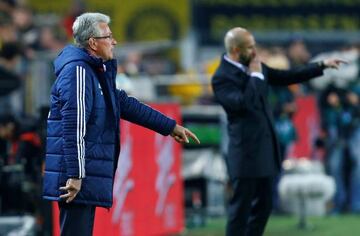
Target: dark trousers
(250,206)
(76,219)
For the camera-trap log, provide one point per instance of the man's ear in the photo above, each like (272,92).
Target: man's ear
(92,44)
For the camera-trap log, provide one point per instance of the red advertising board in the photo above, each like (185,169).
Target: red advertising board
(307,124)
(148,188)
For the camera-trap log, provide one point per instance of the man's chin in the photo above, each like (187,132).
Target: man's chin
(110,58)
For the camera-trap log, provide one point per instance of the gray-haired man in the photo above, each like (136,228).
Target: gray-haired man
(83,125)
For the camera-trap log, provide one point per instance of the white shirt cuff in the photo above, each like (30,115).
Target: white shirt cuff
(257,75)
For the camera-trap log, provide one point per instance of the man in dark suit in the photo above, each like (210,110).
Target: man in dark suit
(240,85)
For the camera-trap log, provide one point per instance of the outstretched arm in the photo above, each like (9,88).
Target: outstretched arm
(141,114)
(301,73)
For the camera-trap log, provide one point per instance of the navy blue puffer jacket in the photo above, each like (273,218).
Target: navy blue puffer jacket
(83,126)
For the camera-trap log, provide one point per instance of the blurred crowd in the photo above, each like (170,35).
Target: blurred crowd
(337,144)
(22,37)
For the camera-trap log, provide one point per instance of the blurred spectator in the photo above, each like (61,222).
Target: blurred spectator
(28,33)
(132,63)
(9,54)
(22,167)
(155,64)
(9,81)
(24,145)
(298,54)
(331,113)
(352,169)
(337,120)
(7,32)
(51,39)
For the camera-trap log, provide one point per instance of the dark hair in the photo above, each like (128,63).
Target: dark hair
(6,119)
(10,50)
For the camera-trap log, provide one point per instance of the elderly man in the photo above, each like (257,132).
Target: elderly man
(83,125)
(240,85)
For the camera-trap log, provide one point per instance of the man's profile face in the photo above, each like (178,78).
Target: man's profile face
(247,50)
(105,43)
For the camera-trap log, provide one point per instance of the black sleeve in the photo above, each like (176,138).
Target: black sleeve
(293,76)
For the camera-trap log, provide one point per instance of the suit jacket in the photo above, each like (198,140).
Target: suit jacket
(253,149)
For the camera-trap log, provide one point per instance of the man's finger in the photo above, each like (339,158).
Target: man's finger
(184,137)
(64,188)
(65,195)
(193,136)
(69,187)
(342,61)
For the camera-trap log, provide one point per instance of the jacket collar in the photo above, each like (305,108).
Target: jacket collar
(236,63)
(231,67)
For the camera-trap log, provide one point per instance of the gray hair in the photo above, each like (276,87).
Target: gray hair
(86,26)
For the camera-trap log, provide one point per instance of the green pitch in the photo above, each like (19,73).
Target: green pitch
(340,225)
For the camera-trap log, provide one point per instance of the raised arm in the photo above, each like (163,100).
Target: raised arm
(301,73)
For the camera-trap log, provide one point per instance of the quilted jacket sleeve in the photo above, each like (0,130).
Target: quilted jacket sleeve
(136,112)
(76,101)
